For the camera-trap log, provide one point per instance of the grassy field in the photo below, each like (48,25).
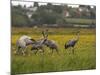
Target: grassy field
(80,21)
(83,59)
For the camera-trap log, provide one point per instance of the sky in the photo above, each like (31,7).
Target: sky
(83,2)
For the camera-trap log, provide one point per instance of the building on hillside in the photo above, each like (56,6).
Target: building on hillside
(84,8)
(66,13)
(30,11)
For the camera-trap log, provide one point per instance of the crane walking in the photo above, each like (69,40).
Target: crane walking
(72,42)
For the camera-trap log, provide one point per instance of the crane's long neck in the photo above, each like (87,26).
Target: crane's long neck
(43,41)
(77,38)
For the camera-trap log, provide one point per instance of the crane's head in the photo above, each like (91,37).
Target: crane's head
(33,40)
(45,34)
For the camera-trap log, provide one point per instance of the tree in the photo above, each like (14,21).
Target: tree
(93,13)
(36,4)
(18,17)
(82,6)
(49,5)
(24,6)
(19,6)
(74,12)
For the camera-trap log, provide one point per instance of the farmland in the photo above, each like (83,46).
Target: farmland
(83,59)
(80,21)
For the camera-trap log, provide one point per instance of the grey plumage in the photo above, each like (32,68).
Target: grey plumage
(51,43)
(38,45)
(72,43)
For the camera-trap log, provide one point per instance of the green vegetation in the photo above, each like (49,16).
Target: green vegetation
(45,16)
(80,21)
(52,14)
(19,18)
(83,59)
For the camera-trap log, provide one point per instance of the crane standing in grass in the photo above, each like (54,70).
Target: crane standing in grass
(38,44)
(72,43)
(51,43)
(45,41)
(22,43)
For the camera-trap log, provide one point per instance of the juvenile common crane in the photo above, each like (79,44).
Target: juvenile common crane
(72,43)
(22,43)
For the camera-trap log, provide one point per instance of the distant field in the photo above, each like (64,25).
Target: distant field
(80,21)
(83,59)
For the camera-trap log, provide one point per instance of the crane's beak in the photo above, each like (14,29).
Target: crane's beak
(32,40)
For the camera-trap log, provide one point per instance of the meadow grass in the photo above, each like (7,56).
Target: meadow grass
(80,21)
(83,59)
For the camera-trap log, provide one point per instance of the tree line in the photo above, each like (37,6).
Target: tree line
(49,14)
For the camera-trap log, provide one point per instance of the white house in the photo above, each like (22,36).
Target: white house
(30,11)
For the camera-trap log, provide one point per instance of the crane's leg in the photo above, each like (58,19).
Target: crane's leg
(43,50)
(57,51)
(27,51)
(23,51)
(73,50)
(36,51)
(18,50)
(51,51)
(69,50)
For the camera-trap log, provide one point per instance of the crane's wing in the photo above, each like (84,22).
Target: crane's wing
(70,42)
